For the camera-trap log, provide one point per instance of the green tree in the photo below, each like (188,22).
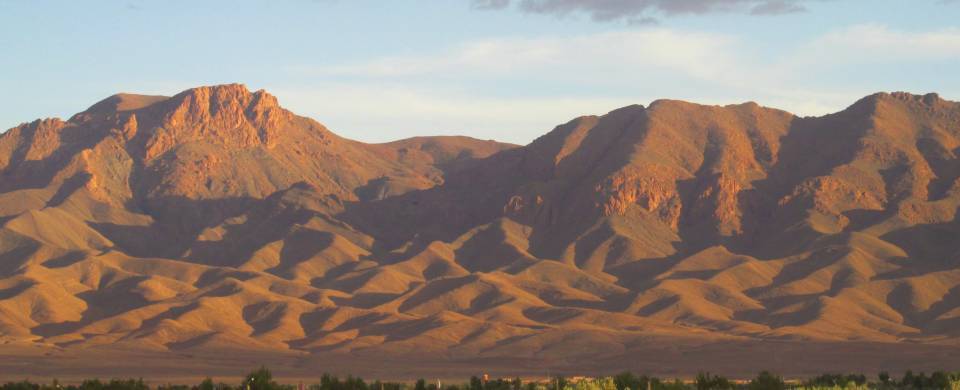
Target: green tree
(705,381)
(24,385)
(328,382)
(421,385)
(584,384)
(940,380)
(884,377)
(354,383)
(767,381)
(606,384)
(626,380)
(908,379)
(261,379)
(921,381)
(558,383)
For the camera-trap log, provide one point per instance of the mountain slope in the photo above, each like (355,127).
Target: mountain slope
(216,219)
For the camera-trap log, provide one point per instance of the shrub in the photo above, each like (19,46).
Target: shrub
(114,384)
(24,385)
(837,380)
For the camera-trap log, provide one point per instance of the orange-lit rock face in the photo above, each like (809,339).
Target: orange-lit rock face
(229,115)
(45,138)
(625,190)
(215,218)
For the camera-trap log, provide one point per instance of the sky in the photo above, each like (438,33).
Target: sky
(510,70)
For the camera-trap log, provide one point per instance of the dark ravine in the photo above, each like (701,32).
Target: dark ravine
(216,219)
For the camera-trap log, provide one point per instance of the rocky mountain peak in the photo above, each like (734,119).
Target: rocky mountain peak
(229,114)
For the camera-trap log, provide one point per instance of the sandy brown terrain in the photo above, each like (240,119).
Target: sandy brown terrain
(668,358)
(156,233)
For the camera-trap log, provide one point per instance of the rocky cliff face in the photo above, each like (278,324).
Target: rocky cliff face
(217,219)
(228,116)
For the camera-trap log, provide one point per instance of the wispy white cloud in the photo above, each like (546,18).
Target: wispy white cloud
(460,90)
(875,42)
(604,55)
(380,113)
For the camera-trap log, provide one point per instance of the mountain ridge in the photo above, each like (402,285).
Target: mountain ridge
(217,219)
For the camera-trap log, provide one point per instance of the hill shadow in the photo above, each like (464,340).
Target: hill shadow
(72,139)
(177,221)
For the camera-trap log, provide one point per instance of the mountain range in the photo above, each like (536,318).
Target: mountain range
(670,237)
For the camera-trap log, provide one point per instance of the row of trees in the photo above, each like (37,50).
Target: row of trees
(262,379)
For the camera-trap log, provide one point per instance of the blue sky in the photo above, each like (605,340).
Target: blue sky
(379,70)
